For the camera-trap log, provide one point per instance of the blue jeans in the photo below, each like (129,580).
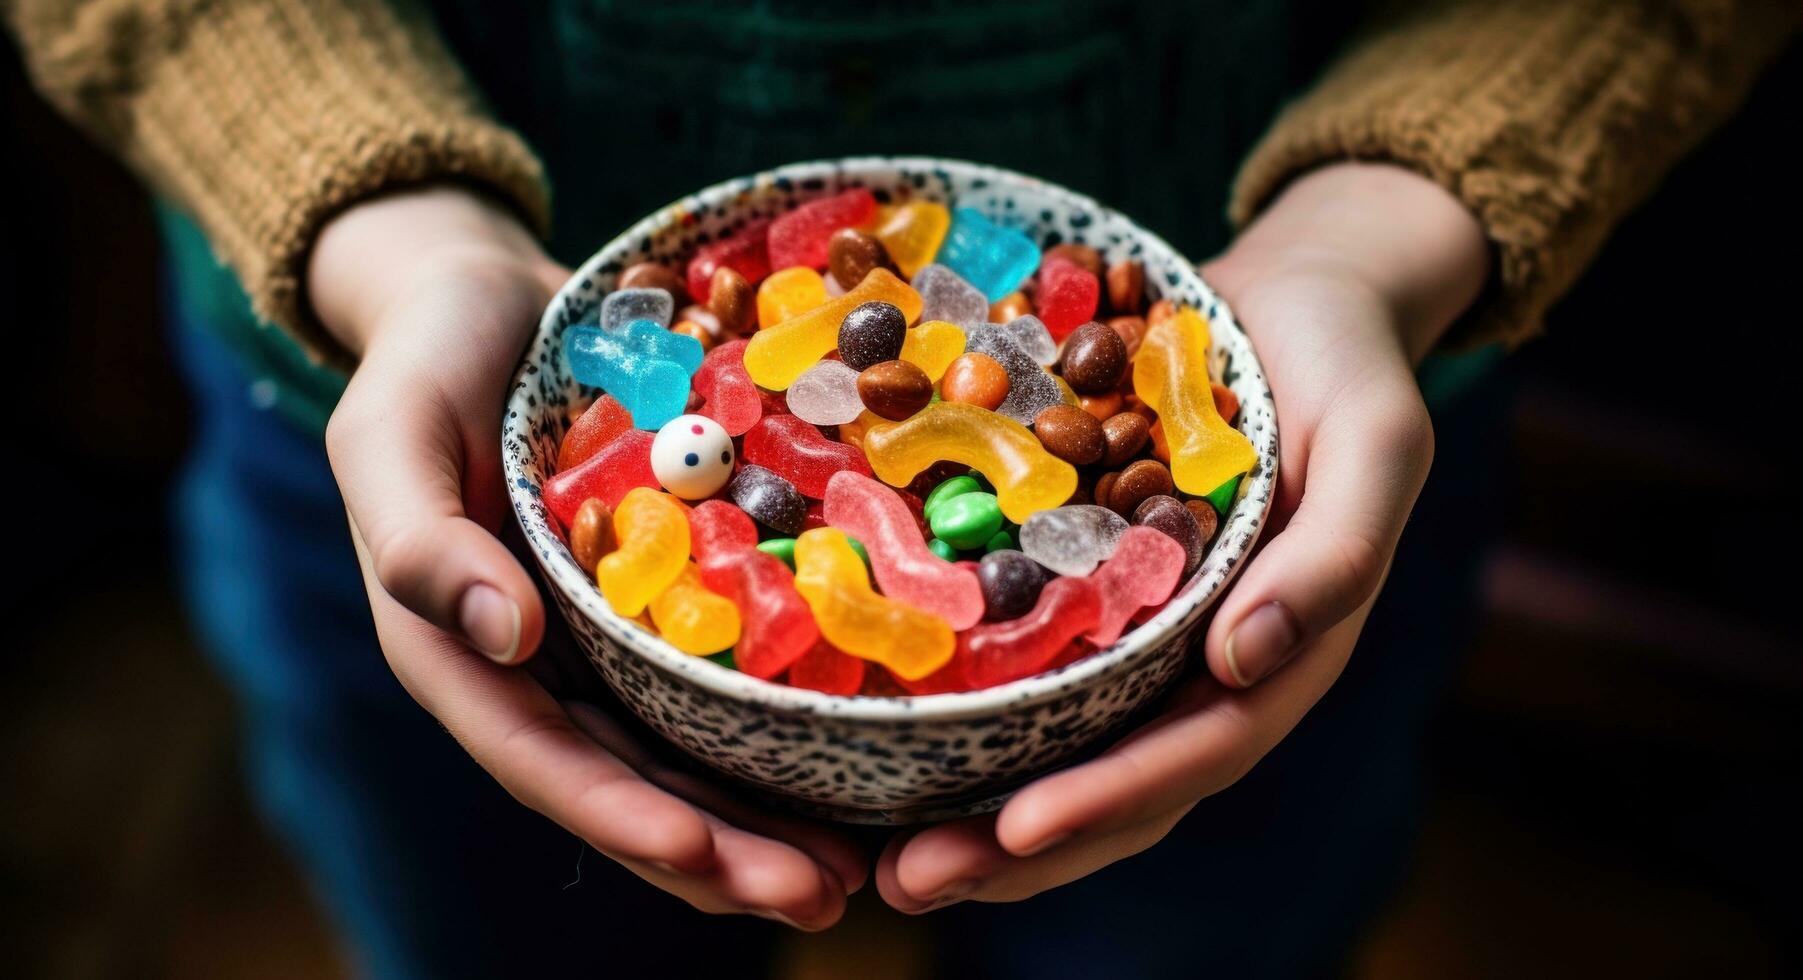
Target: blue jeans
(429,869)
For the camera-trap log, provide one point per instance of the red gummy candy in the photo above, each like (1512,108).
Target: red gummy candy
(905,570)
(744,251)
(1143,570)
(595,428)
(814,517)
(726,391)
(614,469)
(717,527)
(797,452)
(996,653)
(775,402)
(828,669)
(801,236)
(1068,296)
(778,627)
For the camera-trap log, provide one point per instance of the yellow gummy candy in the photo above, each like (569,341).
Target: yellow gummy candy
(1027,479)
(653,532)
(691,618)
(788,294)
(833,580)
(778,355)
(933,346)
(913,232)
(1171,375)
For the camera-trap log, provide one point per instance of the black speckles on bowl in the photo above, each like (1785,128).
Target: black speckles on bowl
(879,760)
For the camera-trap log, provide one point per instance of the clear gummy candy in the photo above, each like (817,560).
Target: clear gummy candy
(1073,539)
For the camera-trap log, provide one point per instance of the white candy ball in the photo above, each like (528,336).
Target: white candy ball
(692,456)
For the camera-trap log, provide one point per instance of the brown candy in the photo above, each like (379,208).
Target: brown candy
(1139,481)
(1167,514)
(650,275)
(733,300)
(894,389)
(851,254)
(1126,286)
(1083,255)
(702,316)
(1010,307)
(1160,448)
(1161,311)
(690,328)
(591,534)
(1094,357)
(1207,521)
(1132,330)
(1104,486)
(1227,404)
(975,379)
(1126,434)
(1102,406)
(1070,433)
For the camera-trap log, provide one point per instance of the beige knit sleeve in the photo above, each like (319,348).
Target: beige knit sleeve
(1549,119)
(266,117)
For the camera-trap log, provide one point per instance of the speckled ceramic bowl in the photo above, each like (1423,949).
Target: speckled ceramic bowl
(864,759)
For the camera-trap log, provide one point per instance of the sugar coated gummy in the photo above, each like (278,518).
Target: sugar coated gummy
(776,626)
(1143,571)
(826,394)
(745,251)
(1073,539)
(788,294)
(1026,477)
(994,259)
(905,570)
(622,306)
(797,452)
(1068,295)
(800,237)
(933,346)
(854,618)
(996,653)
(1171,375)
(693,619)
(654,389)
(945,295)
(727,394)
(653,534)
(769,499)
(599,425)
(913,233)
(776,356)
(609,474)
(1030,389)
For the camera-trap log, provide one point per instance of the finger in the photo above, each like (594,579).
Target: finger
(1363,467)
(938,865)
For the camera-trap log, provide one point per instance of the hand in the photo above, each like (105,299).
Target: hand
(1344,284)
(437,291)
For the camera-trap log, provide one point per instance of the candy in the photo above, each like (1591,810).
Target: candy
(707,319)
(1001,540)
(904,568)
(1076,252)
(1227,404)
(912,234)
(609,474)
(871,334)
(1208,521)
(1222,496)
(1068,295)
(829,670)
(1034,339)
(783,548)
(1132,330)
(1011,583)
(1026,477)
(593,429)
(727,394)
(975,379)
(967,520)
(1168,515)
(948,489)
(1071,434)
(996,653)
(649,338)
(653,534)
(776,626)
(1139,481)
(1126,434)
(893,390)
(826,394)
(942,550)
(788,294)
(1144,571)
(1094,359)
(1102,406)
(1011,307)
(695,331)
(992,258)
(778,355)
(1126,283)
(733,301)
(651,275)
(692,456)
(829,575)
(1171,375)
(693,619)
(653,389)
(797,452)
(591,534)
(745,251)
(851,254)
(1073,539)
(800,237)
(944,295)
(1030,389)
(622,306)
(933,346)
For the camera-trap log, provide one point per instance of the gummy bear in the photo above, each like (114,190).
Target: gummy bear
(852,617)
(593,429)
(1026,477)
(992,258)
(799,238)
(789,293)
(610,473)
(693,619)
(1171,376)
(797,452)
(653,389)
(653,534)
(745,251)
(777,355)
(1143,572)
(829,670)
(932,347)
(727,394)
(912,233)
(777,628)
(905,570)
(1068,295)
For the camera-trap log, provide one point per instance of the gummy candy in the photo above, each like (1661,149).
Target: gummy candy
(593,429)
(992,258)
(933,346)
(654,390)
(1073,539)
(1143,572)
(800,237)
(653,534)
(945,295)
(905,570)
(692,456)
(829,670)
(1030,389)
(648,338)
(829,575)
(769,499)
(613,471)
(1068,295)
(1171,376)
(727,394)
(777,627)
(797,452)
(996,653)
(1034,338)
(745,251)
(622,306)
(776,356)
(788,294)
(826,394)
(693,619)
(1026,477)
(913,232)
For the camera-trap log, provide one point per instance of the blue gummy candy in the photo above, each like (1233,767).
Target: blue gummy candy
(654,389)
(992,258)
(647,337)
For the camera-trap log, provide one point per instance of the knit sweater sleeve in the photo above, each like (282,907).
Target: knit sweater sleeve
(1549,119)
(264,118)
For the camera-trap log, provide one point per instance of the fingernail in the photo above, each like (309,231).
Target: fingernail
(775,916)
(1261,643)
(1047,844)
(665,867)
(952,893)
(491,621)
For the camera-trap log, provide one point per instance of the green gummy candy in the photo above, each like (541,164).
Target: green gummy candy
(1001,541)
(783,548)
(967,520)
(724,659)
(945,491)
(1221,497)
(943,550)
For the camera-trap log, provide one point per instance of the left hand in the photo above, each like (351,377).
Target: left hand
(1344,284)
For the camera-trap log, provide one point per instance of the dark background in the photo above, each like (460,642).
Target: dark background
(1613,768)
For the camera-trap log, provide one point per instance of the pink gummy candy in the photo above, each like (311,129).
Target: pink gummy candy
(745,251)
(996,653)
(797,452)
(905,570)
(778,627)
(800,237)
(1143,570)
(828,669)
(615,468)
(1068,296)
(727,394)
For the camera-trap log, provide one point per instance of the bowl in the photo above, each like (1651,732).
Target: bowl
(874,759)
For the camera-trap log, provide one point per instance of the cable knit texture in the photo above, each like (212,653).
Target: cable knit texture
(264,118)
(1549,119)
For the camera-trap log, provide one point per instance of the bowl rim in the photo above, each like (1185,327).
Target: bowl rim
(578,591)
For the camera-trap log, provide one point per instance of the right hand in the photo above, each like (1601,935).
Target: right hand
(436,291)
